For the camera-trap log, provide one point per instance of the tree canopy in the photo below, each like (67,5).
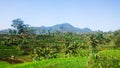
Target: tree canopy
(20,27)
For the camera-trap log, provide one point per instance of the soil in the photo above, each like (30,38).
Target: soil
(12,61)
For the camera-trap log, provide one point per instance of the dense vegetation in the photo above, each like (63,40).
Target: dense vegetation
(60,49)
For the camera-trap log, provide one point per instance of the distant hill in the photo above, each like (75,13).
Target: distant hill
(65,27)
(5,31)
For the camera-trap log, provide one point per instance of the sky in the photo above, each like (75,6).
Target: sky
(94,14)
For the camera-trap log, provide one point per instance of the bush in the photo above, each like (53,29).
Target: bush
(117,41)
(106,59)
(8,51)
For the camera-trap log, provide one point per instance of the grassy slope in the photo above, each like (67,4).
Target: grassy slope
(54,63)
(4,64)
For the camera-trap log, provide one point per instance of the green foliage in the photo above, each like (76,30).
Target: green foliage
(83,52)
(106,59)
(8,51)
(117,41)
(95,40)
(12,31)
(21,27)
(18,24)
(71,49)
(44,53)
(62,45)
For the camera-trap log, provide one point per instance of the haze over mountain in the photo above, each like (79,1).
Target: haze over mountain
(65,27)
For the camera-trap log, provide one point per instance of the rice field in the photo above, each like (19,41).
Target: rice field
(78,62)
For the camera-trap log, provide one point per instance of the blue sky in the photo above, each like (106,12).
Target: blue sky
(94,14)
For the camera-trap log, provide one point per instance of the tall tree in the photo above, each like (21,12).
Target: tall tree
(22,28)
(19,25)
(12,31)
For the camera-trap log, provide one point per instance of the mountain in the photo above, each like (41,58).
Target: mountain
(65,27)
(5,31)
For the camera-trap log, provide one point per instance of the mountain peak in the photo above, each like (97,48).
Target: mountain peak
(64,24)
(65,27)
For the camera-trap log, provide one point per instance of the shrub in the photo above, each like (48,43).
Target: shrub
(117,41)
(8,51)
(106,59)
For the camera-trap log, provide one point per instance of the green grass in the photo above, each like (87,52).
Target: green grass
(4,64)
(79,62)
